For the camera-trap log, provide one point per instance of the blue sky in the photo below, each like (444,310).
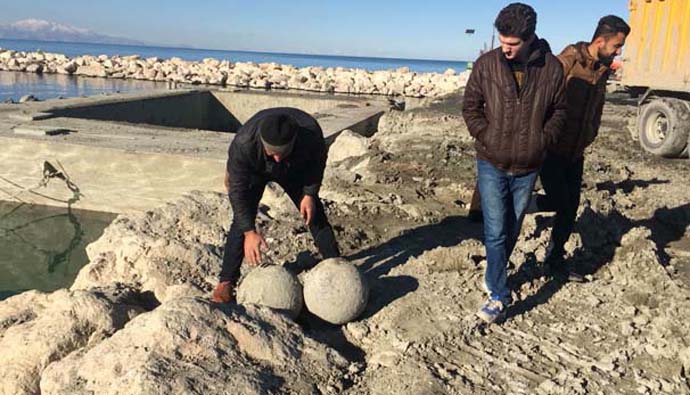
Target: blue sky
(408,29)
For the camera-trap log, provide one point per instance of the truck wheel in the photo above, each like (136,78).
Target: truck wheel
(664,125)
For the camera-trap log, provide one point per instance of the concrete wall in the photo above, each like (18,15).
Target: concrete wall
(245,104)
(222,111)
(190,110)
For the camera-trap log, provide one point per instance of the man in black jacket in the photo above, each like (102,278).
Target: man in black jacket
(286,146)
(515,108)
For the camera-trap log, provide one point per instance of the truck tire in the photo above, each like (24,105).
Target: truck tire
(663,126)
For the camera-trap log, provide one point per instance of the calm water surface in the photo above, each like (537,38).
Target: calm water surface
(44,247)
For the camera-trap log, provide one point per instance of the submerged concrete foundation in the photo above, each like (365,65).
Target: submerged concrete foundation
(133,152)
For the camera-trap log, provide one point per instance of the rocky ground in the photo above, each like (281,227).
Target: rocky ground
(400,82)
(137,319)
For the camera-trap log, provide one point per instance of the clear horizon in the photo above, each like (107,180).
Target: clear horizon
(386,29)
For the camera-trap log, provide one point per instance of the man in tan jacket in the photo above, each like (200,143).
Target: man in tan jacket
(586,68)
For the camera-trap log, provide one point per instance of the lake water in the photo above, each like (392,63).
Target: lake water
(15,85)
(44,247)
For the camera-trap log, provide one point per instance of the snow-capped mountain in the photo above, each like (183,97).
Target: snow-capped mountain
(38,29)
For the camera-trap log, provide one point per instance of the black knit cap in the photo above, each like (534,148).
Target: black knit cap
(278,132)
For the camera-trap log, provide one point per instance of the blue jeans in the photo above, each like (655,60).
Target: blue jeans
(505,197)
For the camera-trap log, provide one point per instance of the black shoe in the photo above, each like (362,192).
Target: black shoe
(475,216)
(560,271)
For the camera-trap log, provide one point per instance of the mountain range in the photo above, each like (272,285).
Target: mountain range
(38,29)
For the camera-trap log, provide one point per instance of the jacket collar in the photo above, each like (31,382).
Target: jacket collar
(585,59)
(538,50)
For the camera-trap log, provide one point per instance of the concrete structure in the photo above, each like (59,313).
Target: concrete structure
(136,151)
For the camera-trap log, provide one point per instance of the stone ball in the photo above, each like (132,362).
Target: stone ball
(272,286)
(335,291)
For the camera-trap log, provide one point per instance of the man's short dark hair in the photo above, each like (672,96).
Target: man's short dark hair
(517,20)
(610,25)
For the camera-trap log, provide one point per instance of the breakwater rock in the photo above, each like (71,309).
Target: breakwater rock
(400,82)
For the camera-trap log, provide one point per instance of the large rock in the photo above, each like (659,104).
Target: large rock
(272,286)
(176,244)
(68,68)
(93,70)
(191,345)
(347,145)
(336,291)
(34,68)
(181,243)
(37,329)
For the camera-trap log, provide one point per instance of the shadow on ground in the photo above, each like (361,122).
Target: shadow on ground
(601,235)
(379,260)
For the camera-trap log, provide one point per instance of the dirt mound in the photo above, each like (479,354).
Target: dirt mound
(190,345)
(38,328)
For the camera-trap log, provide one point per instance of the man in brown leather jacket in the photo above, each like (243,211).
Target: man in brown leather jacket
(514,107)
(586,66)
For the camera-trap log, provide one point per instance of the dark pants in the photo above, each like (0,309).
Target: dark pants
(562,181)
(320,229)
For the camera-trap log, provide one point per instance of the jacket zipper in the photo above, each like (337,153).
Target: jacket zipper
(522,90)
(524,82)
(517,90)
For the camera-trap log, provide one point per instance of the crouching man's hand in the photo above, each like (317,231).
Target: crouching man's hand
(306,208)
(253,242)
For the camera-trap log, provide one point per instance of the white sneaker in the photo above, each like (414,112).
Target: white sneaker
(492,311)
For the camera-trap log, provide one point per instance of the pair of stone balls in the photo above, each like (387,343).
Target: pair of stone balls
(334,290)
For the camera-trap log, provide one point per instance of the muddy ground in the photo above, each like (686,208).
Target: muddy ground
(400,212)
(624,331)
(398,202)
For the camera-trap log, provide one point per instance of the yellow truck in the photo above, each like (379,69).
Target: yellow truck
(656,70)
